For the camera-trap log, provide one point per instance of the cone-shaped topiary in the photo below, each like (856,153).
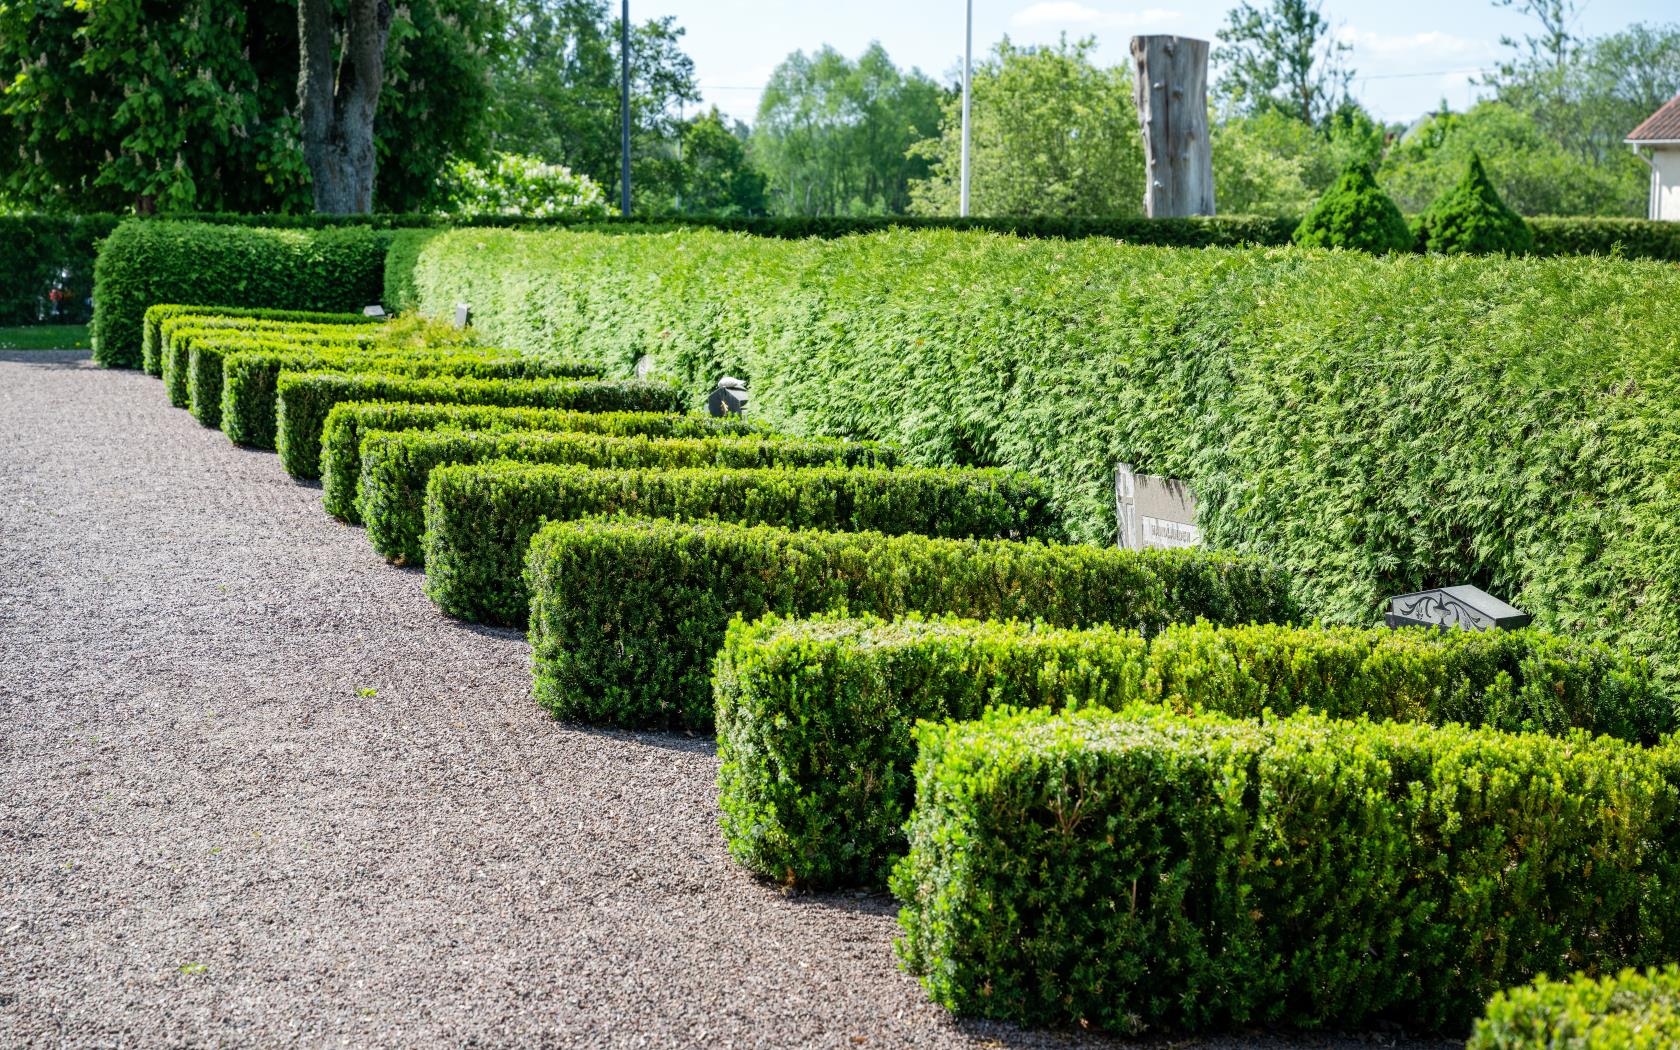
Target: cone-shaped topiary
(1356,213)
(1470,218)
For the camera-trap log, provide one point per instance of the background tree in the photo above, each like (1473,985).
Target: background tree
(833,135)
(557,94)
(1273,164)
(1053,134)
(1281,56)
(717,177)
(338,107)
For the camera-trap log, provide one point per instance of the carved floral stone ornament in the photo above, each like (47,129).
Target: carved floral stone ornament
(1447,607)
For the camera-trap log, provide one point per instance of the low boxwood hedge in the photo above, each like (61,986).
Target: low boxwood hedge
(395,466)
(1189,872)
(305,398)
(480,518)
(226,317)
(194,359)
(626,616)
(341,434)
(815,717)
(1633,1010)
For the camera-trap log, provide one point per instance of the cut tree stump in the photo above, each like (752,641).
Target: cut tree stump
(1170,86)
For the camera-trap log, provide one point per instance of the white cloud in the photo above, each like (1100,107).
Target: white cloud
(1055,13)
(1408,46)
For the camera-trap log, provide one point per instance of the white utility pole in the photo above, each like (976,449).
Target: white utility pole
(968,78)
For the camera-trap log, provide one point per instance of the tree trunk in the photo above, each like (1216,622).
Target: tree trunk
(338,116)
(1170,86)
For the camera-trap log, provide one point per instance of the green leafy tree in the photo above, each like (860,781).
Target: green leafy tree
(833,136)
(557,94)
(1355,213)
(1281,56)
(1533,173)
(1052,134)
(514,185)
(1274,164)
(1470,218)
(717,176)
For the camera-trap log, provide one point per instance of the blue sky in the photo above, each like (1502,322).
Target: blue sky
(1409,55)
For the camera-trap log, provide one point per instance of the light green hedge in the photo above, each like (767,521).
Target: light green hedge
(396,466)
(347,423)
(163,317)
(626,616)
(1372,424)
(1197,872)
(194,360)
(480,518)
(1632,1010)
(814,717)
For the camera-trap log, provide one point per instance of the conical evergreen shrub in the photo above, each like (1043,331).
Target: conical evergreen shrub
(1471,218)
(1356,213)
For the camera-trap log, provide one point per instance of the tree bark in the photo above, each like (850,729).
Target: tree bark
(1170,86)
(337,115)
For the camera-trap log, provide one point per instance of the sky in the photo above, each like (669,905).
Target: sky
(1409,55)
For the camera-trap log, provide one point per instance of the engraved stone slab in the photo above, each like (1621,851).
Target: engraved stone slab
(463,315)
(644,365)
(729,399)
(1447,607)
(1154,511)
(373,311)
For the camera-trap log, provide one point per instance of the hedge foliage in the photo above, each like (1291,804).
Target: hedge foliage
(154,320)
(480,518)
(1633,1010)
(1355,213)
(1152,868)
(305,401)
(194,361)
(1374,424)
(395,467)
(346,424)
(815,716)
(626,616)
(1470,217)
(144,263)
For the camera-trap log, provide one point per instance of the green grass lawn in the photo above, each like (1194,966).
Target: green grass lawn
(45,337)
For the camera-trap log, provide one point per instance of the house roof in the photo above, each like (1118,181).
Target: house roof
(1661,126)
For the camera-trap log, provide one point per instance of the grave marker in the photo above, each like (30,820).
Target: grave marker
(729,399)
(1154,511)
(1448,607)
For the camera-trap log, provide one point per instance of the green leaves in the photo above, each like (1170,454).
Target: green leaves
(1631,1010)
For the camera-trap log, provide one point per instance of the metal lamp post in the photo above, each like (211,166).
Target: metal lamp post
(968,77)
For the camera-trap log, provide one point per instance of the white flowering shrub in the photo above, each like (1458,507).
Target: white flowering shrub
(516,185)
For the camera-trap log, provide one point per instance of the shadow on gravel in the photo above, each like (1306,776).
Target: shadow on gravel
(48,360)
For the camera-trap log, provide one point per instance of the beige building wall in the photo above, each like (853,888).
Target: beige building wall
(1665,182)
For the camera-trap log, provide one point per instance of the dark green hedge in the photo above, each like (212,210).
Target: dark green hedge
(815,717)
(1629,238)
(626,616)
(1374,424)
(1632,1010)
(41,252)
(348,423)
(395,466)
(480,518)
(170,315)
(1197,872)
(143,263)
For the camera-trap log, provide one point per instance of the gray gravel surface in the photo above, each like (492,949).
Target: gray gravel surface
(256,792)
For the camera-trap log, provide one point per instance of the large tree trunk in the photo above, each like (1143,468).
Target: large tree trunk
(338,115)
(1170,86)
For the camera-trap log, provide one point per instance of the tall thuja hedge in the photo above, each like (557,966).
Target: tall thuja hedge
(146,262)
(1373,424)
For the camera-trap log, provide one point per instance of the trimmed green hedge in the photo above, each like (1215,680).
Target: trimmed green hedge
(1193,872)
(346,424)
(626,616)
(1373,424)
(815,717)
(1631,1011)
(143,263)
(306,398)
(480,518)
(155,317)
(193,359)
(395,467)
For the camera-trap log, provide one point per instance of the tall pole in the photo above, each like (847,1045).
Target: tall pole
(968,77)
(624,104)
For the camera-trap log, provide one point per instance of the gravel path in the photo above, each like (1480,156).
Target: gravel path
(254,791)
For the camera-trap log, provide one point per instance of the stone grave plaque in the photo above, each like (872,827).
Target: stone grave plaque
(1153,511)
(373,311)
(463,315)
(1447,607)
(729,399)
(644,365)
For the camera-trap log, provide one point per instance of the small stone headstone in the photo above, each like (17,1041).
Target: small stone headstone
(463,315)
(729,399)
(373,311)
(644,365)
(1446,607)
(1153,511)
